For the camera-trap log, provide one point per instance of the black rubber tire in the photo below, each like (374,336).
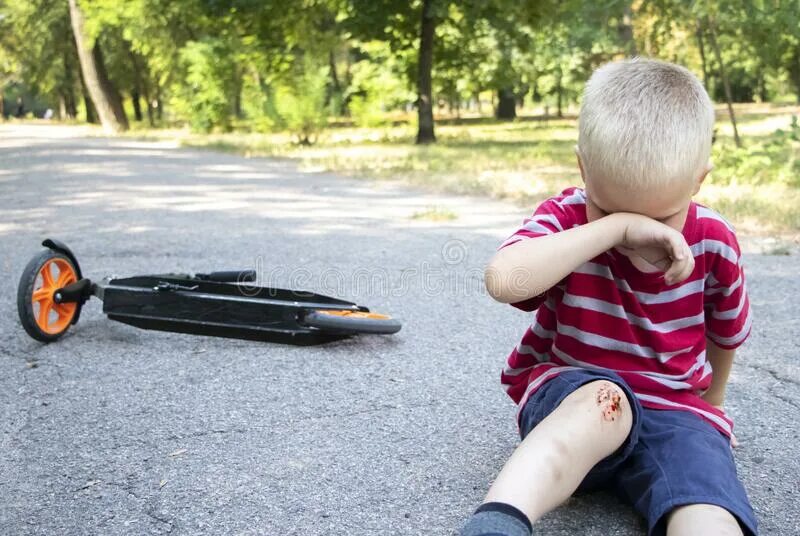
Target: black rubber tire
(25,292)
(352,325)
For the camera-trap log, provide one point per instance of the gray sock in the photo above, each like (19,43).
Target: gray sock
(497,519)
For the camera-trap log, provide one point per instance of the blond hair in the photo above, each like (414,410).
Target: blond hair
(644,123)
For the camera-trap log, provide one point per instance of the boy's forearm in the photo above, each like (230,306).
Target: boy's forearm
(530,267)
(721,361)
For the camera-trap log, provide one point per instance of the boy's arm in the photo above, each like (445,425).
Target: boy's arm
(721,362)
(531,267)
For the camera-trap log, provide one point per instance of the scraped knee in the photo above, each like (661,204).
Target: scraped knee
(609,399)
(605,403)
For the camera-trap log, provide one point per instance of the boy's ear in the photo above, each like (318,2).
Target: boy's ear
(580,164)
(702,177)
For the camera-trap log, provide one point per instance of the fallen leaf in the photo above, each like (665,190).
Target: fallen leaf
(162,484)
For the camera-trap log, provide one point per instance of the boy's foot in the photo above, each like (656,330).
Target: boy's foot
(495,518)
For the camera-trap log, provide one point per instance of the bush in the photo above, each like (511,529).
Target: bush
(376,86)
(300,102)
(207,89)
(775,160)
(366,111)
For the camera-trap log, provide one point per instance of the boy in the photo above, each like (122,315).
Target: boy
(640,304)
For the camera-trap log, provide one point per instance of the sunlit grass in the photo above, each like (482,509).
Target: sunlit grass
(524,161)
(435,214)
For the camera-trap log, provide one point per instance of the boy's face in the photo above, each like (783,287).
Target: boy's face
(668,204)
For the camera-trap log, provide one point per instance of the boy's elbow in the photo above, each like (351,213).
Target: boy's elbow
(496,282)
(507,282)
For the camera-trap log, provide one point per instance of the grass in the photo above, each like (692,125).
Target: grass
(435,213)
(524,161)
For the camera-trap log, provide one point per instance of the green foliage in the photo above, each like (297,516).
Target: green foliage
(204,97)
(216,65)
(32,50)
(773,160)
(376,85)
(300,101)
(258,105)
(366,111)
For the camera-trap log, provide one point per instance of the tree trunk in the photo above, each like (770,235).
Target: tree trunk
(88,105)
(335,84)
(425,132)
(506,104)
(150,118)
(72,108)
(520,95)
(625,32)
(67,92)
(761,84)
(100,89)
(335,91)
(148,101)
(724,75)
(139,90)
(702,49)
(238,113)
(559,95)
(108,87)
(2,107)
(136,98)
(794,71)
(159,106)
(91,113)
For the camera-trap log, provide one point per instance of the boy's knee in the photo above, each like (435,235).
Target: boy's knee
(702,519)
(608,403)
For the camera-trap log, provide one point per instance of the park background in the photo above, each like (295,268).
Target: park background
(477,97)
(114,430)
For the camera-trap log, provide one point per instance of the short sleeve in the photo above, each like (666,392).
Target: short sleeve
(552,216)
(549,218)
(727,306)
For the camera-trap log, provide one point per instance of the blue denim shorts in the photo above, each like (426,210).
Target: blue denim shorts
(670,458)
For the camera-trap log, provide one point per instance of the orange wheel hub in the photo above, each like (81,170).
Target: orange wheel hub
(353,314)
(51,317)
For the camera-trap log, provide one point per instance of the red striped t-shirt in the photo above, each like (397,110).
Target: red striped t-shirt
(608,314)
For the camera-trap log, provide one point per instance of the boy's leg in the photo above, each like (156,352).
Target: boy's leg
(547,467)
(681,476)
(702,519)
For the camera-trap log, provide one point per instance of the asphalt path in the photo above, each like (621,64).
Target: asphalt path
(115,430)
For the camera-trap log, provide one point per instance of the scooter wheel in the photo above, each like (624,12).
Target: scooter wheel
(348,321)
(43,318)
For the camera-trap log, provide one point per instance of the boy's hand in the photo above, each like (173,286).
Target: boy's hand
(659,244)
(734,441)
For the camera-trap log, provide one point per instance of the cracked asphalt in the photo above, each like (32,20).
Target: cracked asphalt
(114,430)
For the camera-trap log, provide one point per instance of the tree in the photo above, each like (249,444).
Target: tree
(713,22)
(405,26)
(221,64)
(104,95)
(425,132)
(32,35)
(712,35)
